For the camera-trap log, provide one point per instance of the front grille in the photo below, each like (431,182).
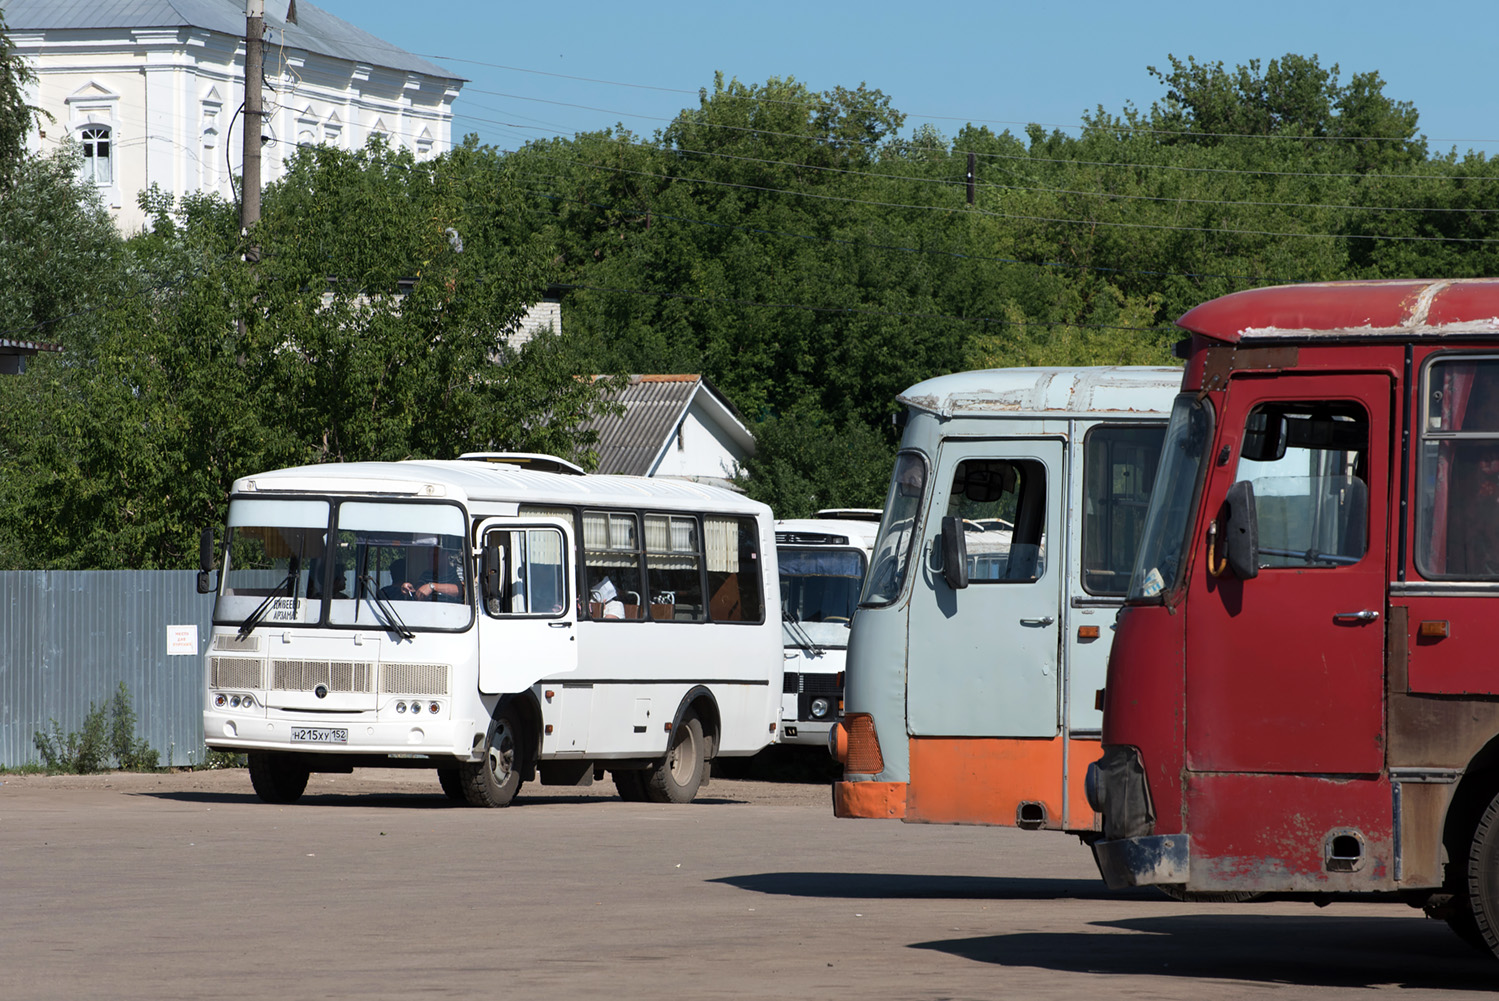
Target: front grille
(811,684)
(237,644)
(414,679)
(336,675)
(235,672)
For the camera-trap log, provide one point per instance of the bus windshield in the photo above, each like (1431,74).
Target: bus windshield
(819,591)
(1173,501)
(389,565)
(892,552)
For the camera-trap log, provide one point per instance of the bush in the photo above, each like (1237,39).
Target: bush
(108,736)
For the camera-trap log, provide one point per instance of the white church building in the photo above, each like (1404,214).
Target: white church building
(153,90)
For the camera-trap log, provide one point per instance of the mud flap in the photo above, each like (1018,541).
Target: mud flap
(1161,858)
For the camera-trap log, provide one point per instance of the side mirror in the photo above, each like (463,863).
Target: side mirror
(206,583)
(1241,535)
(489,578)
(954,553)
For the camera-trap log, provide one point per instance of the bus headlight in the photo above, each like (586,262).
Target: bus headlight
(819,708)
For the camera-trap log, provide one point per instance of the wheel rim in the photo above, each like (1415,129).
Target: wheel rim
(680,759)
(502,753)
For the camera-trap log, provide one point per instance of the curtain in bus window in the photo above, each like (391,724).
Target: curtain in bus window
(611,559)
(674,568)
(733,569)
(1454,383)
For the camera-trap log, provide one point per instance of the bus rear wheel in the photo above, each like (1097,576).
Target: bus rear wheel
(494,780)
(1483,883)
(277,778)
(675,779)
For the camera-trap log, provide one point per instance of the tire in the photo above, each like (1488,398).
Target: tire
(277,778)
(451,780)
(494,781)
(1482,903)
(675,779)
(631,784)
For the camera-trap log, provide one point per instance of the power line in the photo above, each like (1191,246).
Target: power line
(1162,227)
(1022,123)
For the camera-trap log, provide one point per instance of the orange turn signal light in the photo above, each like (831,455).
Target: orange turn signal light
(1435,629)
(862,756)
(1087,632)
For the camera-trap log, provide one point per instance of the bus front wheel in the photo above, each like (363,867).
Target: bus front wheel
(494,780)
(277,778)
(675,779)
(1483,880)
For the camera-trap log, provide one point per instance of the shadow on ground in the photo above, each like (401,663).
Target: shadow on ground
(1319,950)
(908,886)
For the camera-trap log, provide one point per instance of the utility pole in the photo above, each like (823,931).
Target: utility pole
(971,178)
(249,202)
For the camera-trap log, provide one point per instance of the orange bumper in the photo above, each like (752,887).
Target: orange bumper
(870,800)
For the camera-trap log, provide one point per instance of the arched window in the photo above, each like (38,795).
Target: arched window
(97,165)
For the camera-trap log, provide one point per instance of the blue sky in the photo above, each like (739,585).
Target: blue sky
(998,63)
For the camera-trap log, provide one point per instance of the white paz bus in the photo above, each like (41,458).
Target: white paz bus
(822,563)
(491,617)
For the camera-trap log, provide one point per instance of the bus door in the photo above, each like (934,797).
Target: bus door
(983,659)
(1287,667)
(528,609)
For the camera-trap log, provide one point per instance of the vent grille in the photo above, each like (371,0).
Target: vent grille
(811,684)
(249,644)
(236,672)
(337,675)
(414,679)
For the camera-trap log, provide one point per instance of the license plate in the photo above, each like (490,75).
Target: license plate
(321,734)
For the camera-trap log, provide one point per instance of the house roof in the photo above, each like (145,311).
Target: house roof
(315,29)
(654,407)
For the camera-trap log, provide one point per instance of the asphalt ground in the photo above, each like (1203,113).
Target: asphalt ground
(184,885)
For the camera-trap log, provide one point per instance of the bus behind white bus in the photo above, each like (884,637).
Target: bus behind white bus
(822,563)
(493,618)
(983,631)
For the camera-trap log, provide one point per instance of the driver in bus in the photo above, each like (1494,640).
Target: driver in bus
(438,577)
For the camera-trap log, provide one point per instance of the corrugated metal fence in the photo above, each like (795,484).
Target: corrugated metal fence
(68,638)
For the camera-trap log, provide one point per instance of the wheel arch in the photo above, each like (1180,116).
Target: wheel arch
(700,701)
(528,709)
(1475,790)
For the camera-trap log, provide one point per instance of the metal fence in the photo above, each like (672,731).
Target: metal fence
(69,638)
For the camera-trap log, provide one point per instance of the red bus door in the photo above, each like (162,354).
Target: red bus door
(1285,684)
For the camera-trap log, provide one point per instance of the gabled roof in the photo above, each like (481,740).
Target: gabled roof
(314,31)
(654,407)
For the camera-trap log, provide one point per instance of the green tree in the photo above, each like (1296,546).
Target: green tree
(15,114)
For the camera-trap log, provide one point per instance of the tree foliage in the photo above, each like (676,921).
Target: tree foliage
(791,245)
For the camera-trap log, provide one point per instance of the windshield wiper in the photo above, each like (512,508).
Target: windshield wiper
(801,636)
(248,626)
(391,621)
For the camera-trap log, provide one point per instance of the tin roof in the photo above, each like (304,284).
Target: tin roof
(315,29)
(1371,310)
(654,407)
(1054,392)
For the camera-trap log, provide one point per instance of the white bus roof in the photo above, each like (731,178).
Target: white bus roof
(1050,392)
(469,479)
(805,531)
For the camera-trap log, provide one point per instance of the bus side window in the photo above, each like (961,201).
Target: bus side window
(1457,534)
(1118,469)
(1307,464)
(733,562)
(530,578)
(1002,504)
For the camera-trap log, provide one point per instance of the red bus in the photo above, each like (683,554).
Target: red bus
(1303,692)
